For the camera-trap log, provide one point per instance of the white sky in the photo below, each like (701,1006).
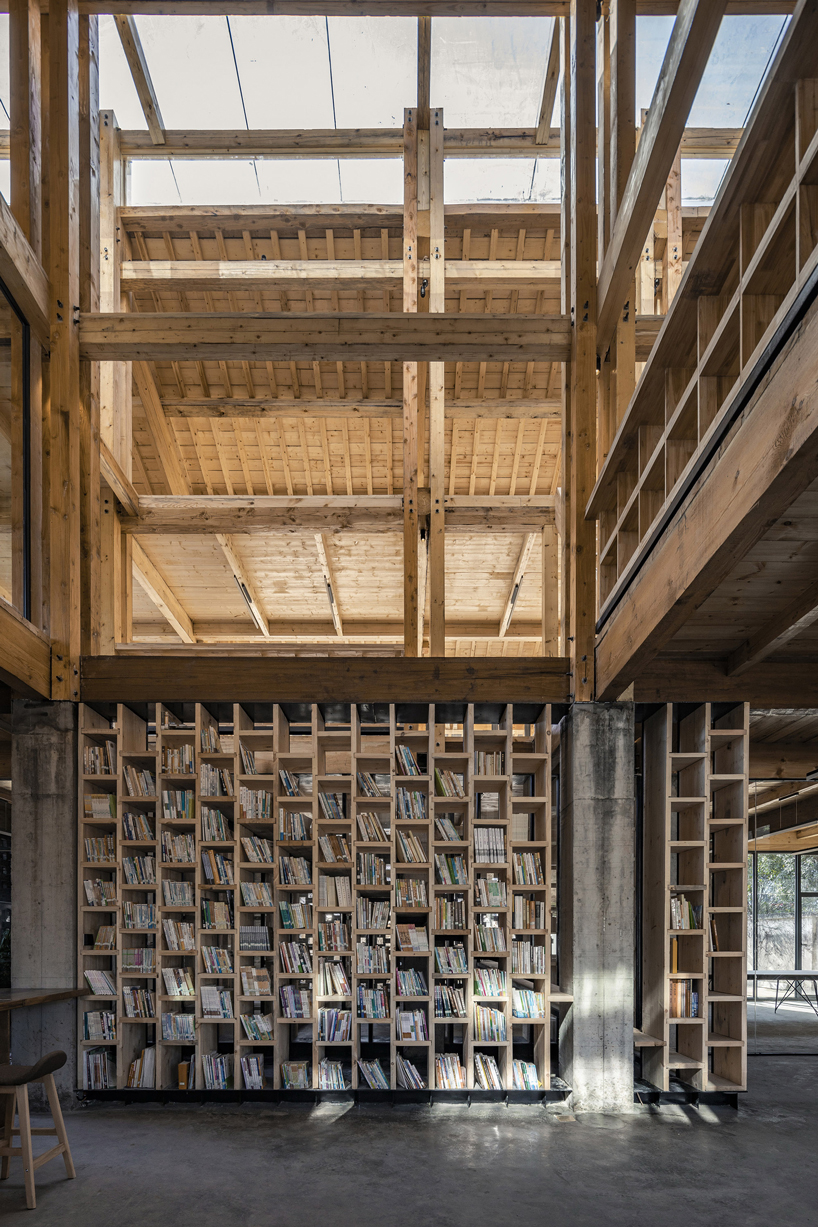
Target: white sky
(311,72)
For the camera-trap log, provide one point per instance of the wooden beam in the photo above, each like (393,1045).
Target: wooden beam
(244,631)
(115,378)
(244,583)
(25,655)
(436,561)
(25,88)
(163,441)
(776,760)
(350,336)
(678,680)
(172,276)
(205,514)
(550,556)
(329,583)
(777,631)
(723,517)
(122,487)
(159,591)
(549,89)
(688,51)
(424,71)
(23,274)
(523,560)
(514,408)
(235,679)
(389,8)
(132,46)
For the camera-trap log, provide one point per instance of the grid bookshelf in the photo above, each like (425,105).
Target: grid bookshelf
(694,1007)
(302,894)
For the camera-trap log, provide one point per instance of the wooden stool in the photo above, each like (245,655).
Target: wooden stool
(14,1080)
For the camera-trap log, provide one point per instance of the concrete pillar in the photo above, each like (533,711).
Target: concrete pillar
(597,891)
(44,880)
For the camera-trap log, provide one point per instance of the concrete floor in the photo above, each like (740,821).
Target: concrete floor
(792,1028)
(441,1166)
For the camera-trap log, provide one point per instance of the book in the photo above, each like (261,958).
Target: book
(217,960)
(178,982)
(370,828)
(178,849)
(215,826)
(100,806)
(177,760)
(411,983)
(450,1001)
(138,1002)
(255,804)
(295,1002)
(99,1025)
(257,851)
(489,846)
(101,849)
(252,1072)
(449,1073)
(371,958)
(179,1028)
(295,1075)
(486,1073)
(373,1075)
(142,1070)
(411,1025)
(524,1076)
(258,1027)
(98,1070)
(217,1070)
(334,1025)
(408,1077)
(293,827)
(216,1002)
(136,828)
(255,982)
(331,1076)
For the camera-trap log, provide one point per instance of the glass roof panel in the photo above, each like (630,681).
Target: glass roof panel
(117,91)
(374,70)
(366,181)
(489,71)
(468,179)
(191,65)
(5,92)
(284,71)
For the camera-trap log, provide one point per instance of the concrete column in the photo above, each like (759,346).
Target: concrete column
(597,891)
(44,880)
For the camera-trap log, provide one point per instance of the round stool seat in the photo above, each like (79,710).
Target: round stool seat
(18,1075)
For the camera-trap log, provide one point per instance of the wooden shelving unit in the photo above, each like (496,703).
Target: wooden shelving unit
(695,763)
(220,787)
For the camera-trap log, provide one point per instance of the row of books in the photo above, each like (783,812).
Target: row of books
(99,759)
(100,806)
(489,891)
(178,805)
(489,938)
(334,1026)
(256,894)
(139,958)
(295,915)
(209,739)
(408,848)
(334,891)
(295,1002)
(450,1001)
(489,1024)
(138,915)
(295,958)
(447,830)
(179,1028)
(489,845)
(451,960)
(139,870)
(216,867)
(489,762)
(371,913)
(411,1025)
(370,828)
(215,826)
(294,871)
(527,913)
(373,1002)
(215,781)
(101,849)
(334,847)
(410,806)
(333,805)
(100,892)
(333,935)
(99,1025)
(411,983)
(216,1002)
(371,958)
(136,828)
(178,760)
(178,849)
(257,851)
(142,1070)
(527,867)
(450,870)
(448,783)
(255,804)
(138,1002)
(368,785)
(410,892)
(139,781)
(525,1003)
(406,761)
(409,1078)
(294,826)
(372,870)
(413,938)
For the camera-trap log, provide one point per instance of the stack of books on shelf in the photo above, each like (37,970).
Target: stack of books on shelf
(252,1072)
(293,828)
(449,1073)
(489,1024)
(333,935)
(295,1002)
(408,1077)
(258,1027)
(450,870)
(295,915)
(524,1076)
(295,958)
(215,826)
(178,805)
(525,1003)
(331,1076)
(528,869)
(217,960)
(255,982)
(372,913)
(410,892)
(332,806)
(447,830)
(256,805)
(374,1076)
(177,894)
(294,871)
(489,981)
(528,959)
(528,913)
(334,848)
(411,983)
(406,761)
(372,870)
(410,806)
(371,959)
(367,785)
(295,1075)
(179,935)
(99,1072)
(178,982)
(254,937)
(489,938)
(138,916)
(99,1025)
(139,781)
(334,980)
(177,760)
(486,1073)
(139,870)
(257,851)
(450,1002)
(256,894)
(409,849)
(489,762)
(489,891)
(209,740)
(373,1002)
(370,829)
(448,783)
(216,1002)
(138,1002)
(489,846)
(99,892)
(413,939)
(217,1070)
(101,849)
(450,960)
(179,1028)
(100,806)
(334,891)
(99,760)
(683,914)
(215,781)
(291,783)
(105,938)
(248,760)
(139,958)
(411,1025)
(450,912)
(684,999)
(334,1026)
(178,849)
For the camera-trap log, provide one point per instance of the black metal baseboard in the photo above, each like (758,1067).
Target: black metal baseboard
(556,1094)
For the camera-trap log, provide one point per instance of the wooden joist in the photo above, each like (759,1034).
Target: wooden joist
(516,408)
(244,583)
(318,630)
(771,684)
(688,51)
(207,677)
(530,541)
(777,631)
(132,46)
(777,760)
(193,514)
(23,274)
(352,336)
(173,276)
(164,598)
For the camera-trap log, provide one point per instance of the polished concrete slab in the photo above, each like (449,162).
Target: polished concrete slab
(446,1166)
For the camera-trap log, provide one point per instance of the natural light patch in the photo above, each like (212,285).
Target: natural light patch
(117,91)
(489,71)
(468,179)
(738,64)
(701,179)
(152,183)
(284,71)
(374,70)
(215,183)
(372,182)
(191,66)
(299,182)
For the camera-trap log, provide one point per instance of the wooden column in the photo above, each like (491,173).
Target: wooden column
(623,148)
(115,377)
(565,307)
(603,86)
(410,389)
(89,301)
(64,379)
(550,592)
(672,259)
(437,437)
(583,343)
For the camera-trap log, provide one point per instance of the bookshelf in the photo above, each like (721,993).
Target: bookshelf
(305,898)
(694,1005)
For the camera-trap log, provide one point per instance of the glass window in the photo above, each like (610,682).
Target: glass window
(775,911)
(14,559)
(809,912)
